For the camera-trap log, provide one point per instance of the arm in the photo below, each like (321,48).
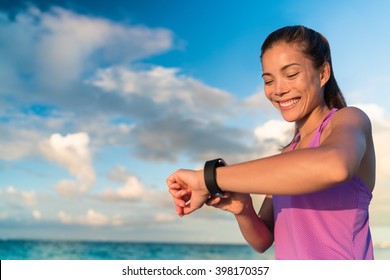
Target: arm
(306,170)
(257,229)
(297,172)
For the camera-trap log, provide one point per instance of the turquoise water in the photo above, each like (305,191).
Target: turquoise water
(82,250)
(74,250)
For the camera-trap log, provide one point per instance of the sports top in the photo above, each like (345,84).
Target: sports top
(329,224)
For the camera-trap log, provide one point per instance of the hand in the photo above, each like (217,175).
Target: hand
(188,190)
(235,203)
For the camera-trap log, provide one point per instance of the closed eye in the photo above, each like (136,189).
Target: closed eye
(292,76)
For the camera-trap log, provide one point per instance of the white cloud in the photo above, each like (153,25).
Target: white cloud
(29,197)
(165,86)
(17,143)
(257,101)
(26,198)
(132,189)
(10,190)
(68,188)
(71,151)
(273,135)
(90,218)
(64,217)
(37,214)
(94,218)
(61,44)
(164,217)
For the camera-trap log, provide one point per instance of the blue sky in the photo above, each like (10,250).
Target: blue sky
(101,100)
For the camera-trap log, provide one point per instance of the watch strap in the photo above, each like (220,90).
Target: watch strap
(210,178)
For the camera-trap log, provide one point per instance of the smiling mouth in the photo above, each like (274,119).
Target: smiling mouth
(288,104)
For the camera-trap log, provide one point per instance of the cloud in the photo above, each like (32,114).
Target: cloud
(23,198)
(90,218)
(64,72)
(72,152)
(64,54)
(55,47)
(274,135)
(179,113)
(37,215)
(68,188)
(164,217)
(171,136)
(17,143)
(132,189)
(64,217)
(164,86)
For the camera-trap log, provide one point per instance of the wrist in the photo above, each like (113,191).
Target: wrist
(210,178)
(247,209)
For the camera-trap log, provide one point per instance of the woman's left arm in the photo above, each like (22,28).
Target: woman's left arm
(301,171)
(307,170)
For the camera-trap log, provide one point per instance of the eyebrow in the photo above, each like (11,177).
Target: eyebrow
(283,68)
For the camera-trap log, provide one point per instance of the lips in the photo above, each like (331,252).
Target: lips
(288,104)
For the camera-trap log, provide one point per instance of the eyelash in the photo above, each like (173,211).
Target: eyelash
(292,76)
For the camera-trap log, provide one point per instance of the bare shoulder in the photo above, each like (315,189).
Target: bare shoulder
(352,116)
(346,119)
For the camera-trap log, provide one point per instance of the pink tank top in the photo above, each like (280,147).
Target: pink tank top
(329,224)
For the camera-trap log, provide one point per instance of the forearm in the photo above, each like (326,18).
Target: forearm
(254,230)
(301,171)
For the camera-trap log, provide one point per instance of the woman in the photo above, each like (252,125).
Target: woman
(319,188)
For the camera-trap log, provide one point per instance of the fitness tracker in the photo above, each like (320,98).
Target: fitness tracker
(209,176)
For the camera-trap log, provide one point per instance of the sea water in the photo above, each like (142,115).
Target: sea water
(99,250)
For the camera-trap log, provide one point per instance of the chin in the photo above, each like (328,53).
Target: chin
(288,117)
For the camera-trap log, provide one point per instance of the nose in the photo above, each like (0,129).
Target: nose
(280,88)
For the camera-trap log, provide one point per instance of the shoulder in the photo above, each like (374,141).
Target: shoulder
(351,116)
(348,119)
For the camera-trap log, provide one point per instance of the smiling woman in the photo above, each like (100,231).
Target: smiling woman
(154,92)
(317,199)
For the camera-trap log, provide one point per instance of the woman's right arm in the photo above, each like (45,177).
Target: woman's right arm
(257,229)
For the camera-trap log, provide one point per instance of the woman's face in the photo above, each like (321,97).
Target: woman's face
(291,83)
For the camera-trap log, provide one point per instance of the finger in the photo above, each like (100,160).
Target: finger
(175,186)
(213,201)
(179,211)
(171,179)
(179,202)
(178,193)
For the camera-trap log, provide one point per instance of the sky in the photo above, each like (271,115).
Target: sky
(101,100)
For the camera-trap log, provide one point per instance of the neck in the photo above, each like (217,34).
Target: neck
(310,122)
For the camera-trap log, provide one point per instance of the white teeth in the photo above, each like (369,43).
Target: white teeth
(289,102)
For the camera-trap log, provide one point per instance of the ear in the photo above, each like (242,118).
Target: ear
(324,73)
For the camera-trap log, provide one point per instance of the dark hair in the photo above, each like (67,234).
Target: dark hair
(316,47)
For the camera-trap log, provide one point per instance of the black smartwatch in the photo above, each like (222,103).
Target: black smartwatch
(209,176)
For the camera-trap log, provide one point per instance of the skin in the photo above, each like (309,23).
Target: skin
(296,89)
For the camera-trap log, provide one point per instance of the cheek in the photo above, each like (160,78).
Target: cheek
(267,92)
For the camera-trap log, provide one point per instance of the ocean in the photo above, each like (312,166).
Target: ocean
(103,250)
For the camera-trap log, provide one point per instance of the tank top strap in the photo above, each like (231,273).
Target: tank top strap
(315,141)
(294,141)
